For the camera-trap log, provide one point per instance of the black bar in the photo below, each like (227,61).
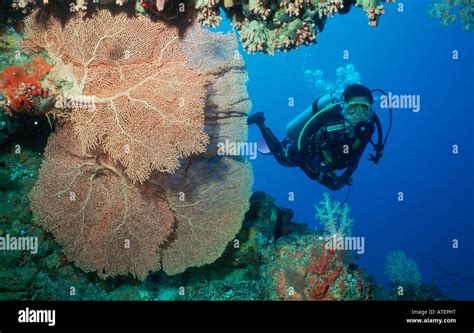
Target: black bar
(313,315)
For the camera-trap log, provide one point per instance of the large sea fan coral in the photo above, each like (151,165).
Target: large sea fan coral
(149,104)
(172,221)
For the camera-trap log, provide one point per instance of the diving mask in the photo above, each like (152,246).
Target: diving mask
(360,108)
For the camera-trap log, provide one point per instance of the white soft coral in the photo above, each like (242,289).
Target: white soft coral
(334,217)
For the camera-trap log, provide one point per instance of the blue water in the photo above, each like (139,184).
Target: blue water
(409,53)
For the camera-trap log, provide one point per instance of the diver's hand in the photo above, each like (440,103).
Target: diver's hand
(333,183)
(340,182)
(346,179)
(378,154)
(376,158)
(350,182)
(334,186)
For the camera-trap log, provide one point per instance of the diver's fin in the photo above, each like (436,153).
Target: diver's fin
(263,148)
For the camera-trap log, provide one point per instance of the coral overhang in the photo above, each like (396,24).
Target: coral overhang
(263,25)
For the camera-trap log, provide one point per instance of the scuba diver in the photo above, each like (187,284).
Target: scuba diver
(329,136)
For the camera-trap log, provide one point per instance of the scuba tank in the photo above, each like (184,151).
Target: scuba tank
(294,128)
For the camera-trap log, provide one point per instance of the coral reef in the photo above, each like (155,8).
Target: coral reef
(24,5)
(18,72)
(271,258)
(445,11)
(270,25)
(305,270)
(18,171)
(22,88)
(373,9)
(264,223)
(20,76)
(263,25)
(49,275)
(8,125)
(344,76)
(244,272)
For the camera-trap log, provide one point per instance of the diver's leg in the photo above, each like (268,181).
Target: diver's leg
(256,118)
(272,141)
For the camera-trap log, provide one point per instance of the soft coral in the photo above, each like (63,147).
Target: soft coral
(22,87)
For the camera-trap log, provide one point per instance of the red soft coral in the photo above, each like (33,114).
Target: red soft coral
(21,86)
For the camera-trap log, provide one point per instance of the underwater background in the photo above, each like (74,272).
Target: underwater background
(408,53)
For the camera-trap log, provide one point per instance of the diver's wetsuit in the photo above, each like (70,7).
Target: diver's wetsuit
(325,147)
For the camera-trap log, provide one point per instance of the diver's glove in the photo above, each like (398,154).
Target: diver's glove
(333,182)
(256,118)
(342,181)
(376,158)
(339,182)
